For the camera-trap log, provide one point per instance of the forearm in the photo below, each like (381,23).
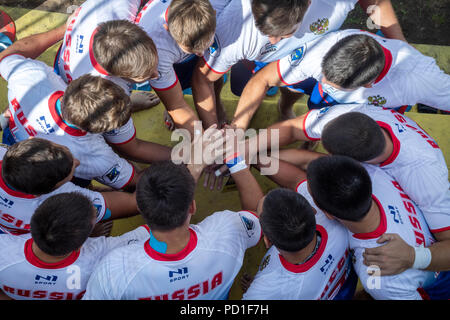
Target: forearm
(299,158)
(384,16)
(249,190)
(33,46)
(204,99)
(249,102)
(440,252)
(121,204)
(287,175)
(144,151)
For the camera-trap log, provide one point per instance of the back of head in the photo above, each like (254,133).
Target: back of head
(287,220)
(278,17)
(354,61)
(125,50)
(164,194)
(95,104)
(35,166)
(62,223)
(192,24)
(340,186)
(355,135)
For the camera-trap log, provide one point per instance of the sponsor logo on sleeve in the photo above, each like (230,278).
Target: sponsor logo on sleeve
(214,49)
(268,47)
(249,225)
(297,56)
(396,216)
(264,263)
(112,174)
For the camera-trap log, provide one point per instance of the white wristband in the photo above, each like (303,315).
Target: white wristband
(238,167)
(422,259)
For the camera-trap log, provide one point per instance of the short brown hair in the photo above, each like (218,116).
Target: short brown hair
(278,17)
(192,23)
(95,104)
(125,50)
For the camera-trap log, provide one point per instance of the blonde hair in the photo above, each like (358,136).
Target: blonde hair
(125,50)
(95,104)
(192,23)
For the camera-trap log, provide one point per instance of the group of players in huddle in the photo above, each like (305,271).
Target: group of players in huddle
(376,207)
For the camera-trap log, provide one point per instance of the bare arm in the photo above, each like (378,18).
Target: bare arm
(143,151)
(121,204)
(203,92)
(33,46)
(298,157)
(181,113)
(254,93)
(287,176)
(384,16)
(249,190)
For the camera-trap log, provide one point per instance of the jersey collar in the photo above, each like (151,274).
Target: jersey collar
(395,142)
(387,64)
(94,62)
(299,268)
(35,261)
(52,105)
(192,244)
(381,227)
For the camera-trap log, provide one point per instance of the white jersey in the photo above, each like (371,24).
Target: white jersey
(24,276)
(34,92)
(152,19)
(321,277)
(416,163)
(409,77)
(398,214)
(238,38)
(205,269)
(75,57)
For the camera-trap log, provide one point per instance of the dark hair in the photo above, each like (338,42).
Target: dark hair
(354,61)
(287,220)
(95,104)
(124,49)
(355,135)
(340,186)
(164,193)
(35,166)
(62,223)
(278,17)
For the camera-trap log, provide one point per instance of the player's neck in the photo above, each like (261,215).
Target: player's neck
(388,149)
(176,239)
(302,255)
(368,224)
(46,257)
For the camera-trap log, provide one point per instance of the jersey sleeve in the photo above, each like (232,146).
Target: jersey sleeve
(113,170)
(123,135)
(96,197)
(167,78)
(428,85)
(241,228)
(220,58)
(289,70)
(12,63)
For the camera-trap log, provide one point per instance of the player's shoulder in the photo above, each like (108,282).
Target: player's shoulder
(12,248)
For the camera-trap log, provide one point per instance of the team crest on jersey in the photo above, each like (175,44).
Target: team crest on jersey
(113,174)
(320,26)
(214,49)
(248,224)
(377,101)
(265,263)
(98,207)
(268,47)
(297,56)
